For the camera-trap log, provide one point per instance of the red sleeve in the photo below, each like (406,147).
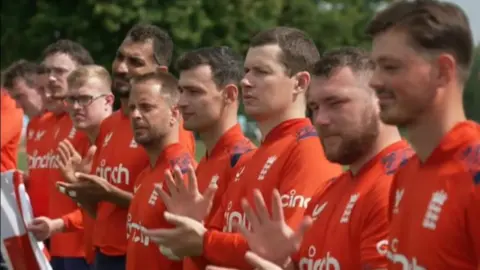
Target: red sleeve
(73,221)
(297,176)
(12,127)
(374,234)
(473,214)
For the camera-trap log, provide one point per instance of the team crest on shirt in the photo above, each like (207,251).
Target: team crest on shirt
(470,159)
(306,132)
(395,160)
(398,199)
(349,208)
(434,209)
(266,167)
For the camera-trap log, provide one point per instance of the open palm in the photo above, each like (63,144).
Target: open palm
(69,161)
(185,200)
(270,236)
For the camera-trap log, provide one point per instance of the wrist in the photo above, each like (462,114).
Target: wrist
(58,225)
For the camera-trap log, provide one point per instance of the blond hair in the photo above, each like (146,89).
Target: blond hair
(80,76)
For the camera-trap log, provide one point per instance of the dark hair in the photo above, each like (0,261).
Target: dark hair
(162,42)
(299,52)
(432,26)
(168,82)
(226,65)
(22,69)
(71,48)
(355,58)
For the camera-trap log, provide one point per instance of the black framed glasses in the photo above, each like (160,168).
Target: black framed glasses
(82,100)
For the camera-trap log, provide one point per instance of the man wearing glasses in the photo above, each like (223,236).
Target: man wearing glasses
(61,58)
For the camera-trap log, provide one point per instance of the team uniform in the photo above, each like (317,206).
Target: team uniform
(40,160)
(435,206)
(291,160)
(66,248)
(350,228)
(146,211)
(120,160)
(232,150)
(11,131)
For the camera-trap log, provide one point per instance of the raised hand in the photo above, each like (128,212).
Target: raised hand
(186,200)
(69,160)
(270,236)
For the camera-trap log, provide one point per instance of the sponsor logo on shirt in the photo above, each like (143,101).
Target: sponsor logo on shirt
(434,210)
(398,258)
(327,262)
(292,200)
(47,161)
(135,232)
(318,210)
(234,217)
(398,199)
(114,174)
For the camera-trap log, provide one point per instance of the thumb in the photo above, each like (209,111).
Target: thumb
(175,219)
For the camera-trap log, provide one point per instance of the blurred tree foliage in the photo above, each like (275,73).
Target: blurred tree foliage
(29,25)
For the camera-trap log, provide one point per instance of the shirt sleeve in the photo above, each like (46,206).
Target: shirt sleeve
(73,221)
(13,127)
(374,234)
(473,214)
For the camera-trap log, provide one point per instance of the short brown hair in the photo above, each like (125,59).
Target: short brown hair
(299,52)
(82,74)
(22,69)
(357,59)
(168,82)
(432,26)
(226,65)
(161,40)
(74,50)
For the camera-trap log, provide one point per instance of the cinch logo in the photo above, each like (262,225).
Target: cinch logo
(116,175)
(47,161)
(234,217)
(134,232)
(398,258)
(292,200)
(326,263)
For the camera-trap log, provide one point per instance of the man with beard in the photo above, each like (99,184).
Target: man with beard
(89,101)
(155,118)
(350,223)
(119,159)
(423,51)
(290,157)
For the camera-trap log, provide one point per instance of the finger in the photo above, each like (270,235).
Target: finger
(243,231)
(208,196)
(171,184)
(177,220)
(250,215)
(259,262)
(163,236)
(260,207)
(277,209)
(90,154)
(304,226)
(72,151)
(62,152)
(211,267)
(164,196)
(92,179)
(177,173)
(192,180)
